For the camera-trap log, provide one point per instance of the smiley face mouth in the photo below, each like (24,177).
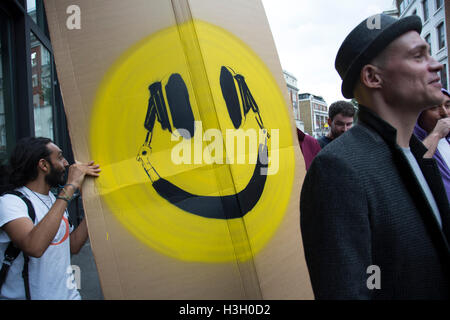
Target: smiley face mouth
(218,207)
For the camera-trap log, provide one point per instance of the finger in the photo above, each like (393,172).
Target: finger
(93,174)
(95,171)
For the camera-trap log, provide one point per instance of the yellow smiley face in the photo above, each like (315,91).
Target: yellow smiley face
(194,196)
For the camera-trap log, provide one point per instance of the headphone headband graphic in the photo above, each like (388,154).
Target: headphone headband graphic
(232,101)
(216,207)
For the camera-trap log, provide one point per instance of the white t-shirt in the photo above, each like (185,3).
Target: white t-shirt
(444,150)
(50,275)
(423,183)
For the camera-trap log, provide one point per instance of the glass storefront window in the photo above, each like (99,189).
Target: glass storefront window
(41,73)
(31,10)
(7,135)
(2,106)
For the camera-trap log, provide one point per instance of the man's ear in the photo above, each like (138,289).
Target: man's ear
(371,77)
(329,122)
(43,165)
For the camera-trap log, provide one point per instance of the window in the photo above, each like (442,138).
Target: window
(2,108)
(318,126)
(41,74)
(303,96)
(33,59)
(444,77)
(34,80)
(31,9)
(7,135)
(439,4)
(428,40)
(403,5)
(35,10)
(426,13)
(441,35)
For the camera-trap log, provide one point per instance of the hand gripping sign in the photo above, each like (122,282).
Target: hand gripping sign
(210,207)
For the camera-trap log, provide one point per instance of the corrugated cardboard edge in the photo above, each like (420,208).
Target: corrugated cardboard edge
(299,271)
(274,284)
(99,236)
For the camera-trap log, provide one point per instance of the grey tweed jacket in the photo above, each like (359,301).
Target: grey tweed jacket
(361,205)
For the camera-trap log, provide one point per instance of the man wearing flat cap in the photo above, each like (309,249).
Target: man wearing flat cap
(384,232)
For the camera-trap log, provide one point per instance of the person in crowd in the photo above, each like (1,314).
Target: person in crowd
(340,119)
(44,246)
(309,146)
(433,127)
(373,212)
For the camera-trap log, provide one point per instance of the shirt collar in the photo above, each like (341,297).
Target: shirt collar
(372,120)
(387,132)
(419,132)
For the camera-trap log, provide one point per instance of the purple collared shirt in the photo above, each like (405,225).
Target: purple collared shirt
(443,168)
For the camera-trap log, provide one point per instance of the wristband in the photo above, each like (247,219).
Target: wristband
(64,198)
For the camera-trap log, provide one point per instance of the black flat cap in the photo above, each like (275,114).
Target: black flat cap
(365,42)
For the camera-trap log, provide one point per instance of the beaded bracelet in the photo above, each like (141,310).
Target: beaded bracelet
(66,197)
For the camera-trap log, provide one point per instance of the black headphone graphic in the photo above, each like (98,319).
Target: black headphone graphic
(217,207)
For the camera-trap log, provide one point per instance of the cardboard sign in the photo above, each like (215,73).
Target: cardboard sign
(184,106)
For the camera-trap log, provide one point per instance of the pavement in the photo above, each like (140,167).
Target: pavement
(90,285)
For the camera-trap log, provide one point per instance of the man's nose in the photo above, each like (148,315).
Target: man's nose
(435,65)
